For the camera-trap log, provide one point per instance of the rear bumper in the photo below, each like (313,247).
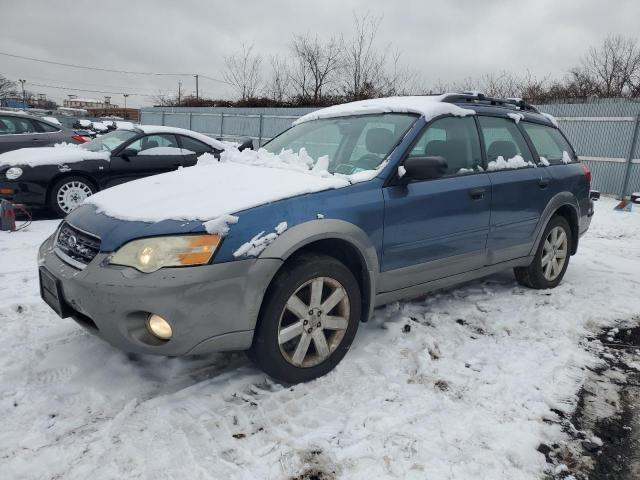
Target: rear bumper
(28,193)
(210,307)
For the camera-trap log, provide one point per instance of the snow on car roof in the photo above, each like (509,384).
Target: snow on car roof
(429,106)
(218,145)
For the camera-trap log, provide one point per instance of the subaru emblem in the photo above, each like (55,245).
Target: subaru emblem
(71,241)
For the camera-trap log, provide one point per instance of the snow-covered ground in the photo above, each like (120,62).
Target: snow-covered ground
(459,385)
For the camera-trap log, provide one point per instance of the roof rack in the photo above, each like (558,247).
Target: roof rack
(480,98)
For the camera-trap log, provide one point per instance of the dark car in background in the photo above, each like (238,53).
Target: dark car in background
(61,177)
(20,130)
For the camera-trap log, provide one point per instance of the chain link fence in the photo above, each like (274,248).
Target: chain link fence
(604,132)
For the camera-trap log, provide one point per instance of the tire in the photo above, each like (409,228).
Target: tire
(543,272)
(68,192)
(278,323)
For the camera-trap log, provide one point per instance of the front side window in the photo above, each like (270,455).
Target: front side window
(47,128)
(154,141)
(109,141)
(352,144)
(505,146)
(456,140)
(15,125)
(549,143)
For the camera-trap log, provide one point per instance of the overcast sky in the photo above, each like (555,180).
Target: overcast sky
(446,39)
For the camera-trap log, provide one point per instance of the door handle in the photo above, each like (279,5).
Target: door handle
(477,193)
(543,182)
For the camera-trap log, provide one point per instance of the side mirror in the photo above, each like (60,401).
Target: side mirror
(424,168)
(245,143)
(128,152)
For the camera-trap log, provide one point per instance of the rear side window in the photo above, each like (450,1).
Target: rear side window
(195,146)
(505,146)
(154,141)
(456,140)
(45,127)
(551,146)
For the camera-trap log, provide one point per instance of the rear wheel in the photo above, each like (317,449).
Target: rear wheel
(552,257)
(68,193)
(308,321)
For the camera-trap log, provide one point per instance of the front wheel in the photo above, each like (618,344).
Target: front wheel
(68,193)
(552,257)
(309,320)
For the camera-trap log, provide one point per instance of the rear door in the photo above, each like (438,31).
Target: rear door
(519,190)
(156,153)
(437,228)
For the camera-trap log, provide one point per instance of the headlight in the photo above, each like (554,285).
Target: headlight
(151,254)
(13,173)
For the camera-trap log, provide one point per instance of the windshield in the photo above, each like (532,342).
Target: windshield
(353,144)
(109,141)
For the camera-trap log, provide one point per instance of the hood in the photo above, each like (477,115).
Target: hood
(208,191)
(57,155)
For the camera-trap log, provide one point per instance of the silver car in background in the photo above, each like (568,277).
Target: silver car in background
(20,130)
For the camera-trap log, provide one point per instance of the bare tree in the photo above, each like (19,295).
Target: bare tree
(243,72)
(7,87)
(614,67)
(315,66)
(279,86)
(163,99)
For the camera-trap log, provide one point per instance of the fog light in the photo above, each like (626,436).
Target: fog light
(159,327)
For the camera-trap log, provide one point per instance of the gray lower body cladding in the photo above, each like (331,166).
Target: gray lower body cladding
(210,307)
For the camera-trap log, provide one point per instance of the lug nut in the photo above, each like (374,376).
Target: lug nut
(310,330)
(305,322)
(318,324)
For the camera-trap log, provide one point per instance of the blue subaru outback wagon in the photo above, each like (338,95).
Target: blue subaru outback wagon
(390,198)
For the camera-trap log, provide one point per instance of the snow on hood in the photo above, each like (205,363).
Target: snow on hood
(56,155)
(213,189)
(428,105)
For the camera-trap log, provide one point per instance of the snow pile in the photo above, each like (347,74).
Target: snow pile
(516,162)
(430,106)
(516,117)
(57,155)
(161,151)
(544,162)
(551,118)
(99,127)
(257,244)
(85,123)
(124,125)
(220,225)
(213,188)
(566,158)
(53,120)
(457,385)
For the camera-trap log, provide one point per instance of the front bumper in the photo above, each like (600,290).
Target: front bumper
(210,307)
(29,193)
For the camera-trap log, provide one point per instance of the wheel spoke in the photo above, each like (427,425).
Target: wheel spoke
(337,295)
(297,307)
(301,349)
(554,236)
(316,292)
(320,342)
(561,254)
(334,323)
(561,239)
(547,246)
(546,259)
(555,268)
(547,270)
(290,332)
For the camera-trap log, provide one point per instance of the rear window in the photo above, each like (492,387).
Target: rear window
(549,143)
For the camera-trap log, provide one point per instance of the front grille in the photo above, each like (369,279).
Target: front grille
(78,246)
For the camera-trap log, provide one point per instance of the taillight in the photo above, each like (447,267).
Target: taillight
(80,138)
(587,173)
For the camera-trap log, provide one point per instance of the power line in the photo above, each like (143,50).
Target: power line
(71,65)
(87,90)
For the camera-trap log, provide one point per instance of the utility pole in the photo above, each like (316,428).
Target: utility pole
(125,95)
(24,98)
(197,95)
(179,91)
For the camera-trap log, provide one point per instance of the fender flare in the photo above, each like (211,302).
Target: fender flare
(557,201)
(302,234)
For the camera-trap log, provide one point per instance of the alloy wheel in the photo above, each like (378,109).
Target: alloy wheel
(554,253)
(313,322)
(72,194)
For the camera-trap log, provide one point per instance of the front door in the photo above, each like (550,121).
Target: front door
(437,228)
(156,153)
